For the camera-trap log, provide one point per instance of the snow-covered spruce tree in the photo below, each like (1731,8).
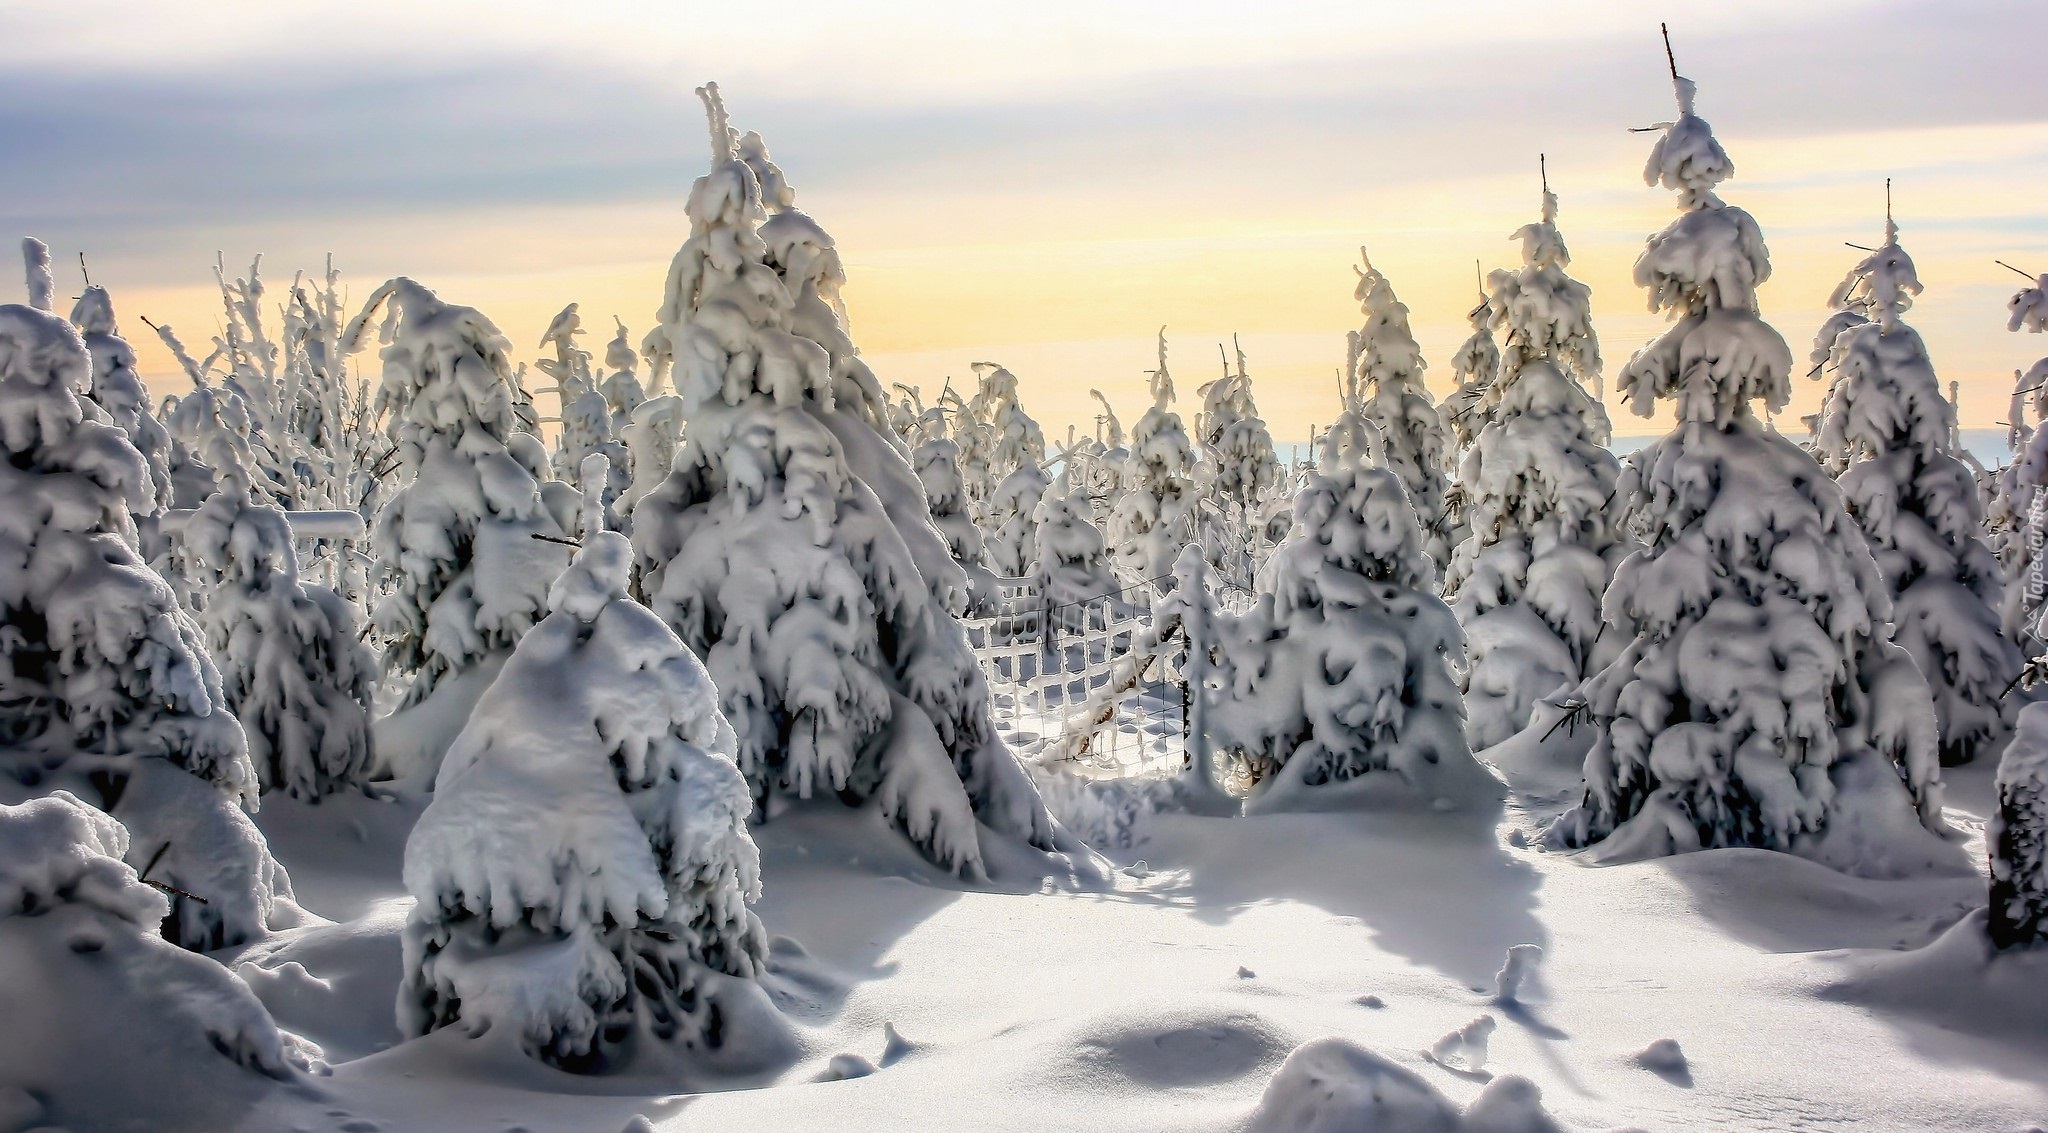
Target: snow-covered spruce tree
(1887,434)
(291,665)
(1071,561)
(937,463)
(587,415)
(1341,678)
(1154,518)
(2017,837)
(621,387)
(119,391)
(997,437)
(1468,407)
(1386,366)
(1010,520)
(584,870)
(653,438)
(1539,487)
(1237,442)
(459,536)
(792,550)
(1757,701)
(105,687)
(1243,472)
(2021,488)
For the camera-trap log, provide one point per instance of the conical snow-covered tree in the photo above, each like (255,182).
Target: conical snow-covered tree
(105,687)
(1341,678)
(583,873)
(1243,472)
(460,536)
(937,463)
(997,437)
(1539,485)
(1757,701)
(119,391)
(1071,564)
(1154,518)
(2025,503)
(792,550)
(1466,409)
(2017,837)
(1010,520)
(291,665)
(1887,434)
(1246,469)
(1386,366)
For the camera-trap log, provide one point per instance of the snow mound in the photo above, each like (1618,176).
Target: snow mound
(1334,1086)
(88,986)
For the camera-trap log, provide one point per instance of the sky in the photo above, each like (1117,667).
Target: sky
(1042,185)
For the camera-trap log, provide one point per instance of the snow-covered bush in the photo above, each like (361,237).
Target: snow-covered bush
(1757,701)
(105,687)
(792,550)
(1887,434)
(1385,370)
(1539,488)
(2018,837)
(62,866)
(459,536)
(1154,517)
(584,870)
(1344,669)
(291,665)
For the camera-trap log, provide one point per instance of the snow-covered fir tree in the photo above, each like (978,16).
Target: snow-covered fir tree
(1344,670)
(1757,701)
(793,551)
(105,688)
(119,391)
(1155,516)
(1010,520)
(936,460)
(997,437)
(1240,448)
(587,415)
(1070,561)
(1888,435)
(621,387)
(1466,409)
(1386,366)
(2024,503)
(584,871)
(291,665)
(2017,837)
(459,538)
(1539,489)
(653,437)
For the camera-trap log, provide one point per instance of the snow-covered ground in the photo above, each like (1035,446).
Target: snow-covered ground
(1720,990)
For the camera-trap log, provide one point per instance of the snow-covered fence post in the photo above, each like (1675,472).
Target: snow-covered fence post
(2018,837)
(1191,605)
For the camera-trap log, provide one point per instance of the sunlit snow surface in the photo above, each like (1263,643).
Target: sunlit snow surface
(1793,997)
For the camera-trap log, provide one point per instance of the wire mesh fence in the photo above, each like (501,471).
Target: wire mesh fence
(1084,682)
